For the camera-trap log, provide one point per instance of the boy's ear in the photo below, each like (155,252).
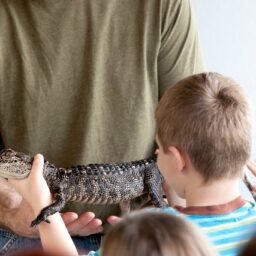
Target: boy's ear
(178,156)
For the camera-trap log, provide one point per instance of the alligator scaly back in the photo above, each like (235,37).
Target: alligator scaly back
(91,184)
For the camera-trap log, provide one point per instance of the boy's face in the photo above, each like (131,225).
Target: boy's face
(167,164)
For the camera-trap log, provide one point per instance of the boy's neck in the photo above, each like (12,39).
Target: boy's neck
(214,193)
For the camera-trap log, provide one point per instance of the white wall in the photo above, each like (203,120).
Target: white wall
(227,30)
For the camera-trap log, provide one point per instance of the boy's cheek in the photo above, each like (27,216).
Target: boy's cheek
(160,164)
(164,171)
(163,164)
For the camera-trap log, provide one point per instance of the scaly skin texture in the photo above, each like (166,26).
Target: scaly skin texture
(91,184)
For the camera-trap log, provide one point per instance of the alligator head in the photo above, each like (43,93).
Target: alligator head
(14,165)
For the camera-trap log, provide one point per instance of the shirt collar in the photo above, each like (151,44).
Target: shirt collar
(212,209)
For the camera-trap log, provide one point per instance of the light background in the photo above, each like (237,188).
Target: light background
(227,30)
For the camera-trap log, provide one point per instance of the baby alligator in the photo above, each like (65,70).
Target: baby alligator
(91,184)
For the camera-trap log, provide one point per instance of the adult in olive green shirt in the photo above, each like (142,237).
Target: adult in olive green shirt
(79,83)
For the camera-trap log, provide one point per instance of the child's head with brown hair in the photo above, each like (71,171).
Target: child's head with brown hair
(145,233)
(207,117)
(249,248)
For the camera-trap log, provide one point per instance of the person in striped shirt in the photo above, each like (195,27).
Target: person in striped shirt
(204,139)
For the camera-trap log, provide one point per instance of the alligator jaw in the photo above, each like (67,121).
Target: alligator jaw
(5,173)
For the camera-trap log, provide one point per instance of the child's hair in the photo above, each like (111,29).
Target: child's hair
(145,233)
(249,248)
(208,117)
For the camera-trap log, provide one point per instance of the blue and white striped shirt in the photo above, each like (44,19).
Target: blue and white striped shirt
(227,231)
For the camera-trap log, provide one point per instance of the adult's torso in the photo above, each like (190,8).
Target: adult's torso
(79,80)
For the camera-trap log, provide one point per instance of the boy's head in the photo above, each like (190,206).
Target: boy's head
(206,118)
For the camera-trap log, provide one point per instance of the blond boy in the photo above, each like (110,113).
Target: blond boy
(204,140)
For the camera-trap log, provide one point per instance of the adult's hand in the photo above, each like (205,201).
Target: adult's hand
(15,213)
(83,225)
(9,198)
(18,221)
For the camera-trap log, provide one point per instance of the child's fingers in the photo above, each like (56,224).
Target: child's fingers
(37,166)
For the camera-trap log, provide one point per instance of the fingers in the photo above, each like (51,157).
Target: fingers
(69,217)
(34,188)
(38,164)
(86,224)
(113,219)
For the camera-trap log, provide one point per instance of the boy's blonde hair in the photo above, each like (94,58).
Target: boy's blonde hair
(145,233)
(208,117)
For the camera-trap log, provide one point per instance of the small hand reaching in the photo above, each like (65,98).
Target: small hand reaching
(34,188)
(54,236)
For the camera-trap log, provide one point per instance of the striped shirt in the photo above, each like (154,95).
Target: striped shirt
(227,228)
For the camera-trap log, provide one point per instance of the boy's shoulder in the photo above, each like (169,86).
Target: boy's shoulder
(227,231)
(240,221)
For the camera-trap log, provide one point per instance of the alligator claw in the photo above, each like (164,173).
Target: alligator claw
(38,220)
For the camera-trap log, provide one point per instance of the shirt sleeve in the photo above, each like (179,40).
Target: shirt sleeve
(180,52)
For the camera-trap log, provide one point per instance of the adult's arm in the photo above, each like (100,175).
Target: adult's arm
(180,53)
(15,213)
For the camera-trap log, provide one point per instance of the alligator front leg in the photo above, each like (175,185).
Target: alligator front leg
(153,183)
(56,206)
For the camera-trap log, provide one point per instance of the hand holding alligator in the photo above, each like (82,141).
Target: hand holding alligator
(37,195)
(94,184)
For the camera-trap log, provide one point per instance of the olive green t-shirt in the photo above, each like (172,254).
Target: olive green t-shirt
(80,80)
